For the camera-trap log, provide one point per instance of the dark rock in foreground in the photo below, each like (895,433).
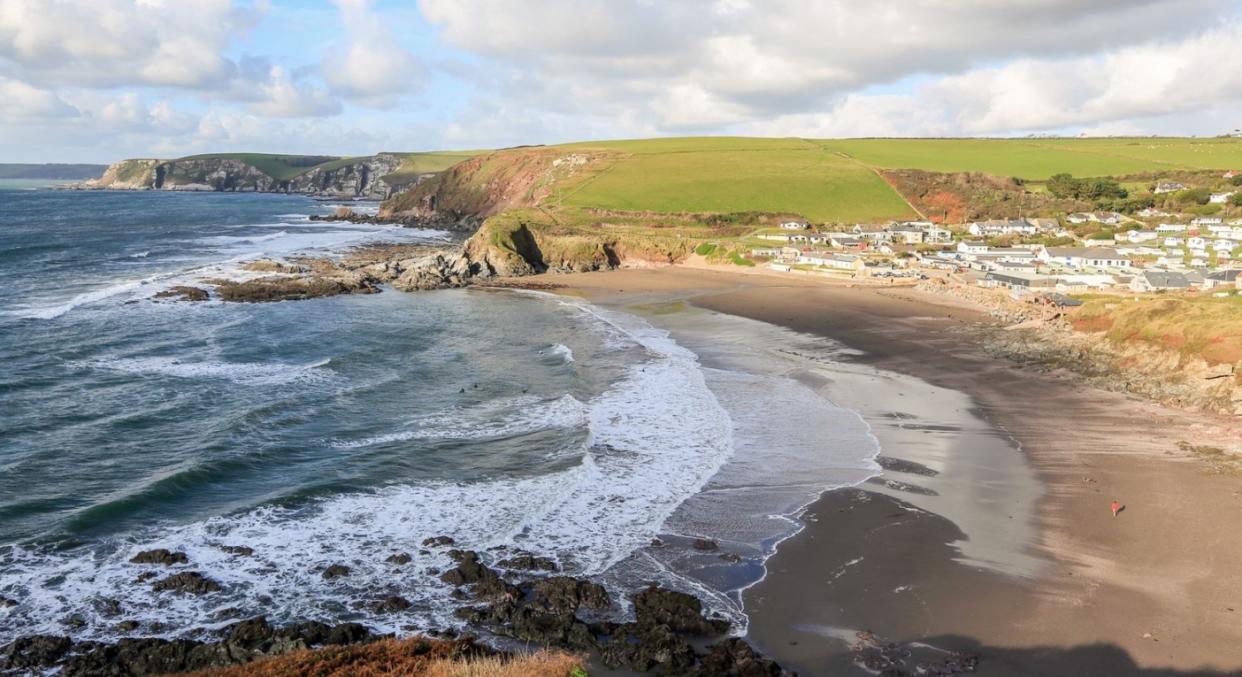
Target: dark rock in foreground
(528,562)
(160,556)
(240,643)
(335,571)
(37,651)
(190,582)
(184,293)
(682,613)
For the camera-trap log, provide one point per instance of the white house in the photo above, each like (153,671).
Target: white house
(1196,243)
(846,241)
(1151,213)
(794,225)
(904,234)
(1222,278)
(872,232)
(778,237)
(1172,242)
(831,260)
(1223,245)
(1206,221)
(1002,227)
(1084,257)
(937,235)
(1223,230)
(1136,236)
(972,247)
(1220,198)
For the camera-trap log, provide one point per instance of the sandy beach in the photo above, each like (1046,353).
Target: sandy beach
(989,534)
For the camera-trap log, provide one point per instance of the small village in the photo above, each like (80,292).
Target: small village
(1150,250)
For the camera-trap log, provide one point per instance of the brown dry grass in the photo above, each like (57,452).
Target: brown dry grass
(415,657)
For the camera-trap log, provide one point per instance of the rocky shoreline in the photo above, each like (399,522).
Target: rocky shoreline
(525,601)
(1041,337)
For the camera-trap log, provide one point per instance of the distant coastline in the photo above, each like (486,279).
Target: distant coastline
(52,171)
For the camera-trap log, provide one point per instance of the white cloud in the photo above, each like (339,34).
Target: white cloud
(20,101)
(108,43)
(284,97)
(371,67)
(715,64)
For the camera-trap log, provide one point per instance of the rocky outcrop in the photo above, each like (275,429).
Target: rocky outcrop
(279,288)
(1135,368)
(161,556)
(239,643)
(360,177)
(568,613)
(187,582)
(669,632)
(1042,336)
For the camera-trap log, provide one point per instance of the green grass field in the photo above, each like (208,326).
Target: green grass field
(724,174)
(1037,159)
(281,167)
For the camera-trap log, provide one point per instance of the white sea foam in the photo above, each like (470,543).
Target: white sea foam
(140,255)
(55,310)
(655,438)
(493,420)
(243,373)
(241,239)
(563,351)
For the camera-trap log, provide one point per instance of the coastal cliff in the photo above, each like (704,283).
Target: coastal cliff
(513,201)
(369,177)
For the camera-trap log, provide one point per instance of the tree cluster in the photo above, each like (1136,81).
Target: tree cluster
(1094,190)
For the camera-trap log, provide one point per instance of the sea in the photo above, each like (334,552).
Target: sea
(349,429)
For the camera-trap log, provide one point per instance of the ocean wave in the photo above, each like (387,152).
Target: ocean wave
(242,373)
(494,420)
(140,255)
(242,239)
(656,437)
(562,351)
(55,310)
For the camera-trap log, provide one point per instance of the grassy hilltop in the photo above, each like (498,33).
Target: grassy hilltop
(822,180)
(735,175)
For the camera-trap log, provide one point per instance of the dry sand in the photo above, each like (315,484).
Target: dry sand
(1009,551)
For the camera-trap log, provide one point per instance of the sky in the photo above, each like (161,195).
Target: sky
(102,80)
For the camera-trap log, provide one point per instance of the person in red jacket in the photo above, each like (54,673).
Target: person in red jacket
(1116,507)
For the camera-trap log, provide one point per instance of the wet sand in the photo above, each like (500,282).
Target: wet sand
(989,532)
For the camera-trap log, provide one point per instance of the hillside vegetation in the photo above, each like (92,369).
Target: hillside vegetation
(1195,327)
(400,658)
(280,167)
